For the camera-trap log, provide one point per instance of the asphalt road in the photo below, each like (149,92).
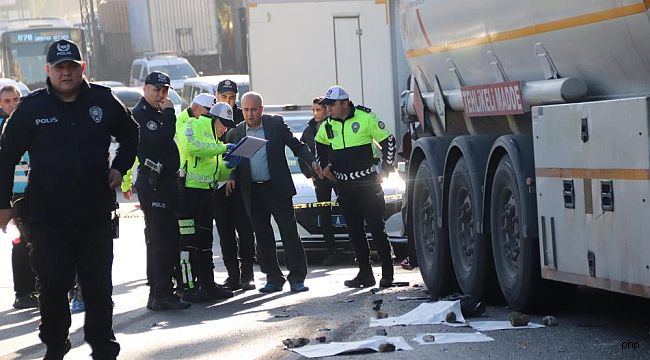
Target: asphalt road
(595,325)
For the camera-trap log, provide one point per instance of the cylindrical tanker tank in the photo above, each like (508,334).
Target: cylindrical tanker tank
(604,43)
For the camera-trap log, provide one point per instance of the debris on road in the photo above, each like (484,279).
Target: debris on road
(549,321)
(450,338)
(381,314)
(336,348)
(295,343)
(425,314)
(377,303)
(281,316)
(324,329)
(500,325)
(386,347)
(451,317)
(518,319)
(321,339)
(429,338)
(469,306)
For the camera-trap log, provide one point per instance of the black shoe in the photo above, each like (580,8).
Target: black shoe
(219,292)
(197,295)
(248,285)
(385,283)
(26,302)
(332,259)
(361,281)
(171,302)
(232,283)
(52,354)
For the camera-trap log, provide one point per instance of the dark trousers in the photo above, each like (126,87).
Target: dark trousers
(230,216)
(363,201)
(59,251)
(196,205)
(264,203)
(161,233)
(24,278)
(323,190)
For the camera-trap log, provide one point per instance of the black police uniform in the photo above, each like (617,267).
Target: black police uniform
(323,189)
(158,195)
(68,145)
(23,276)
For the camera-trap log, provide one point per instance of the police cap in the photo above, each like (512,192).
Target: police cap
(63,50)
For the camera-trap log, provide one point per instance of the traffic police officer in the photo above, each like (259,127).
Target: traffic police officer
(238,248)
(198,139)
(350,132)
(66,127)
(157,190)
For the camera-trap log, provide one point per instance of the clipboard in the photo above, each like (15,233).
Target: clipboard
(246,147)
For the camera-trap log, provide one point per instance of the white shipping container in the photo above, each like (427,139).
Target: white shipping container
(187,27)
(298,49)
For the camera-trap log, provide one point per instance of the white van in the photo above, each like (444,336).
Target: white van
(208,84)
(178,69)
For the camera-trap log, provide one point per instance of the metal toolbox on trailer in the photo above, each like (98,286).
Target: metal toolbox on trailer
(592,164)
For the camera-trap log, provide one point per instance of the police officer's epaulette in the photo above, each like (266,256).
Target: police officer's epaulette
(33,94)
(363,108)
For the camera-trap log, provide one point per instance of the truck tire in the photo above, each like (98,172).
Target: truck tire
(471,251)
(516,258)
(431,242)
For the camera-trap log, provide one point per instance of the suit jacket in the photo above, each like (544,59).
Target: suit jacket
(278,135)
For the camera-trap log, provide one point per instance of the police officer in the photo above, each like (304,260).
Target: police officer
(233,224)
(349,131)
(157,190)
(66,127)
(198,139)
(322,187)
(227,92)
(24,279)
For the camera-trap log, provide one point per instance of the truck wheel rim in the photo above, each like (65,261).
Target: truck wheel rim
(465,229)
(427,222)
(509,233)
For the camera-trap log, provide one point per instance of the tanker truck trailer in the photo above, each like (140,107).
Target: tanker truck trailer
(529,167)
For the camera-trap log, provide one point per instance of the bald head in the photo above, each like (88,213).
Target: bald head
(256,97)
(252,105)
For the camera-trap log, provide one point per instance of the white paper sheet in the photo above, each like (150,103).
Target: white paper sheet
(425,314)
(500,325)
(450,338)
(335,348)
(247,147)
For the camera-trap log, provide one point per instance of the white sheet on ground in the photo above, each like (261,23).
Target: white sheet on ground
(500,325)
(425,314)
(335,348)
(450,338)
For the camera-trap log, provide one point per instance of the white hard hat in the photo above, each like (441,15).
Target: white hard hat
(223,111)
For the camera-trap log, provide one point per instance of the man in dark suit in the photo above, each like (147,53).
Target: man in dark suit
(265,181)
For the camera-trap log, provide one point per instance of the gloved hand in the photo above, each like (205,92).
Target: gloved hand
(233,161)
(229,147)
